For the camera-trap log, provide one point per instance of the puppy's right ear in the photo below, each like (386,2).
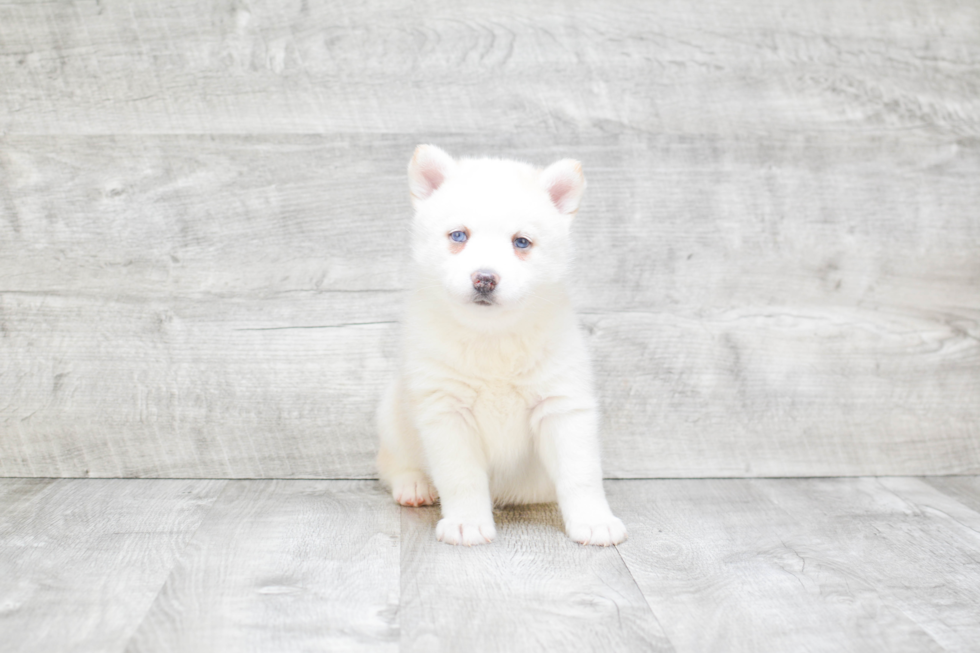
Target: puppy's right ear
(427,170)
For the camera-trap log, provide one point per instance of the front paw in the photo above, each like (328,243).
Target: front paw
(605,531)
(470,534)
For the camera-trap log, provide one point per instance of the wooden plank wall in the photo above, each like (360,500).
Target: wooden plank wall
(203,209)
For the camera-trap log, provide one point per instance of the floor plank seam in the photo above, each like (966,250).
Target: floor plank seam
(178,559)
(639,589)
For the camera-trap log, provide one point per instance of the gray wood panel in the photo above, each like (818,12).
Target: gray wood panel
(81,562)
(191,387)
(724,66)
(532,589)
(185,306)
(777,249)
(284,566)
(829,565)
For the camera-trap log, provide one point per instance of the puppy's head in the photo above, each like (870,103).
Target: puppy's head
(493,235)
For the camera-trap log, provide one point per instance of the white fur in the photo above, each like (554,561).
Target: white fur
(494,404)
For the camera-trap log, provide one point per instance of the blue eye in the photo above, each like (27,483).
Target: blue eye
(458,236)
(522,243)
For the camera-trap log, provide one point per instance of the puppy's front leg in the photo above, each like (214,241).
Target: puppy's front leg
(458,468)
(569,446)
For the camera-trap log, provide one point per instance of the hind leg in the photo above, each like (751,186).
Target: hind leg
(401,460)
(409,487)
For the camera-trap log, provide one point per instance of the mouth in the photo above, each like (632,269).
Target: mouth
(482,300)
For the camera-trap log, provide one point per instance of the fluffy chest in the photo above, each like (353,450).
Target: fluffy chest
(501,414)
(503,376)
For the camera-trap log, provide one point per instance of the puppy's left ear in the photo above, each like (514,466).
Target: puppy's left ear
(565,184)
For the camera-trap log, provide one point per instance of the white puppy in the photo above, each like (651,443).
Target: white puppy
(493,401)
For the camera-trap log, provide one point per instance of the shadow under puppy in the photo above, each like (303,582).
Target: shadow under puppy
(493,400)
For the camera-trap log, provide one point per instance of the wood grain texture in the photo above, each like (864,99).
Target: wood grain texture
(284,566)
(919,551)
(81,562)
(191,387)
(186,306)
(828,565)
(203,210)
(742,566)
(564,68)
(532,589)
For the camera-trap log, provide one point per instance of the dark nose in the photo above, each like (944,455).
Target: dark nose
(484,281)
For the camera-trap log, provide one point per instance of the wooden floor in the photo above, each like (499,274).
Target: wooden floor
(838,564)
